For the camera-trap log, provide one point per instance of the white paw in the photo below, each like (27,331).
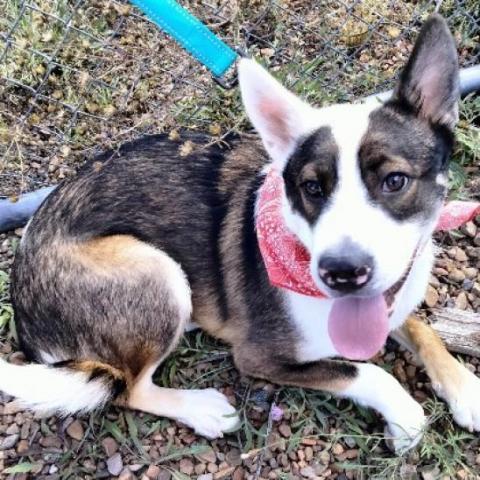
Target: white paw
(207,412)
(406,430)
(463,398)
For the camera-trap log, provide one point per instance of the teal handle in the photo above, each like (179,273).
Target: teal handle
(192,34)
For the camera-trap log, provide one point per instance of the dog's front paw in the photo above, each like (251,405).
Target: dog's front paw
(406,430)
(462,393)
(207,412)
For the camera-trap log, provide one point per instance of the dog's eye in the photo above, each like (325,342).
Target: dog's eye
(395,182)
(312,188)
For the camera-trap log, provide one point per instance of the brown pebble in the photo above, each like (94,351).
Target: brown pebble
(431,297)
(126,474)
(461,301)
(337,449)
(75,430)
(460,256)
(238,474)
(50,441)
(208,456)
(186,466)
(110,446)
(456,275)
(200,468)
(11,408)
(164,475)
(223,473)
(399,372)
(233,457)
(285,430)
(152,472)
(469,229)
(212,468)
(22,447)
(308,441)
(12,429)
(411,371)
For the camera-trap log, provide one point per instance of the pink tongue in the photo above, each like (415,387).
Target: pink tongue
(358,327)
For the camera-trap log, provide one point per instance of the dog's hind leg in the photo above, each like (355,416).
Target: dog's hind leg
(453,382)
(120,304)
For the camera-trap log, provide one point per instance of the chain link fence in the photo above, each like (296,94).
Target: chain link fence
(78,76)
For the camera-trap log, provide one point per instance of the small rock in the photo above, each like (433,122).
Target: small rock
(308,472)
(461,256)
(399,372)
(50,441)
(22,447)
(461,301)
(238,474)
(233,457)
(470,272)
(456,275)
(126,474)
(11,408)
(165,475)
(223,473)
(110,446)
(12,429)
(152,472)
(208,456)
(75,430)
(476,289)
(9,442)
(115,464)
(337,449)
(53,469)
(186,466)
(411,371)
(205,476)
(469,229)
(212,467)
(285,430)
(431,297)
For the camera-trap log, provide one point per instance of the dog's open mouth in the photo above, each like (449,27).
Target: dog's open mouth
(358,327)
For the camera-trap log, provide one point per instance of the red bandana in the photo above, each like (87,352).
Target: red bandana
(288,261)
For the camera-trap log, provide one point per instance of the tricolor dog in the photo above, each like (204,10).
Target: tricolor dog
(118,260)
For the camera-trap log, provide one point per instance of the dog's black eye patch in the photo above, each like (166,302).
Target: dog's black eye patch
(311,173)
(400,158)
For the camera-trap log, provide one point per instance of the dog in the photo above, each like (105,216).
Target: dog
(118,260)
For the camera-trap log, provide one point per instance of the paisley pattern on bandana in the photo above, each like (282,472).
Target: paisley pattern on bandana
(287,261)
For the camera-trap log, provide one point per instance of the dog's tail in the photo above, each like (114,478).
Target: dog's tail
(63,388)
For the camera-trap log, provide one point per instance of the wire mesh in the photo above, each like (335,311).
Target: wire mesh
(78,76)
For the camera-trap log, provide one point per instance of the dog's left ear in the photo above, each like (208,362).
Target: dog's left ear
(279,116)
(429,84)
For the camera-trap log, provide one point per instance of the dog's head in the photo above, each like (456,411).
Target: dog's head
(364,183)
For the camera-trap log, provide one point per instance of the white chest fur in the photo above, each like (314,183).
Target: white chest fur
(310,315)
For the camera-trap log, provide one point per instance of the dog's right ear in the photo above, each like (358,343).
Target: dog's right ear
(278,115)
(429,84)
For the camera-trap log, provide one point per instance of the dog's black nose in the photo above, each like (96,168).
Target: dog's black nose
(346,272)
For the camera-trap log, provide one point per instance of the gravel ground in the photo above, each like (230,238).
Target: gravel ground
(286,433)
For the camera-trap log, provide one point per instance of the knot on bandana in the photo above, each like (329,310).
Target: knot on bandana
(288,261)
